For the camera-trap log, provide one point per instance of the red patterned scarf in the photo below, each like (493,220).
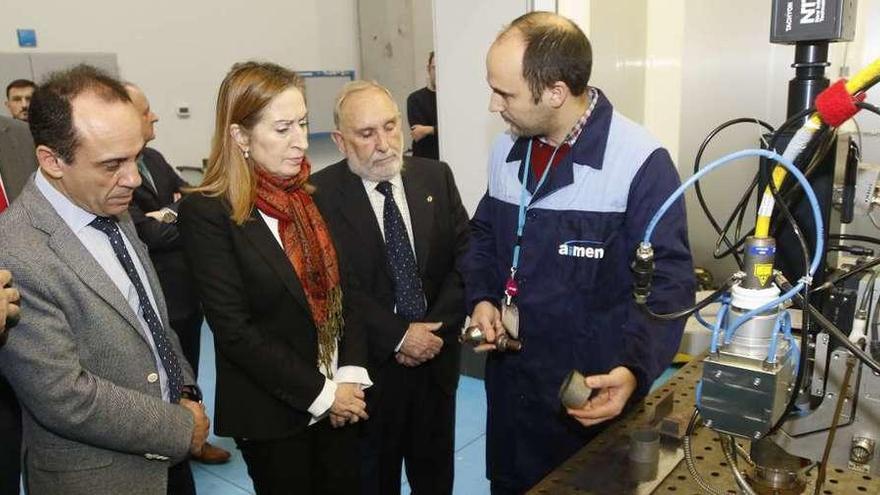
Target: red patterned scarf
(310,250)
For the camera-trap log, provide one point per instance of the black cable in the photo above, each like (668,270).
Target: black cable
(786,212)
(855,237)
(869,107)
(792,192)
(832,329)
(873,334)
(744,200)
(868,296)
(805,321)
(840,277)
(699,190)
(688,311)
(854,250)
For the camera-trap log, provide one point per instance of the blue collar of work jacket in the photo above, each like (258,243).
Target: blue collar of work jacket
(588,150)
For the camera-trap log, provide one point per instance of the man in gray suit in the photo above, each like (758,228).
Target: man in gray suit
(106,403)
(17,163)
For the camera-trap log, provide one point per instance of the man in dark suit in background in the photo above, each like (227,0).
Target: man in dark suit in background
(400,225)
(17,163)
(154,212)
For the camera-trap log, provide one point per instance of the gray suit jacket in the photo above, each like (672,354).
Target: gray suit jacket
(94,420)
(17,158)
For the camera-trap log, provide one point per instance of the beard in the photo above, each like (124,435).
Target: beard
(538,124)
(389,165)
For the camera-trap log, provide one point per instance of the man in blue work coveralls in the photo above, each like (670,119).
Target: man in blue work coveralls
(571,274)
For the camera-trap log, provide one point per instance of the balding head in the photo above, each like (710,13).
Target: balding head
(142,104)
(368,130)
(353,88)
(555,50)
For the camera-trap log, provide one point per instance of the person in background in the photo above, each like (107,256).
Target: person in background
(572,186)
(421,111)
(400,224)
(109,404)
(18,98)
(154,212)
(17,164)
(291,354)
(10,415)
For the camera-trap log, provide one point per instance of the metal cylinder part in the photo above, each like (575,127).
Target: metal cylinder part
(775,471)
(758,262)
(644,446)
(473,336)
(506,344)
(862,450)
(752,338)
(574,392)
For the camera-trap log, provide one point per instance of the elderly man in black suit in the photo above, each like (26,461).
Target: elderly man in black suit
(400,224)
(154,212)
(17,163)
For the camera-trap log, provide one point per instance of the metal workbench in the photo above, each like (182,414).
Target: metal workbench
(602,466)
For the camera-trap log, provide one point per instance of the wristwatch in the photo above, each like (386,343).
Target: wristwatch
(191,392)
(168,215)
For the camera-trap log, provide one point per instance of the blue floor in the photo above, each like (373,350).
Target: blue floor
(470,439)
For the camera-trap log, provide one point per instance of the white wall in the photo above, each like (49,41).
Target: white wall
(423,39)
(179,51)
(466,126)
(664,38)
(617,34)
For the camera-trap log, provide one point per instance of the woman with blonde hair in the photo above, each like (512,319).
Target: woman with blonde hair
(290,355)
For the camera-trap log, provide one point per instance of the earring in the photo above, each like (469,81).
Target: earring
(247,154)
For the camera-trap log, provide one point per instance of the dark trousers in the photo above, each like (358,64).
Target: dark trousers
(501,489)
(189,332)
(320,460)
(412,420)
(10,441)
(180,480)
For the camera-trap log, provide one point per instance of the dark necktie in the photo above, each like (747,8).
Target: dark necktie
(160,338)
(408,292)
(145,173)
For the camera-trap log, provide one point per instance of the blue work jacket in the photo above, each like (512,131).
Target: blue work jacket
(575,285)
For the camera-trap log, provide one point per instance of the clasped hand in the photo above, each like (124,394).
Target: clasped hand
(348,406)
(419,344)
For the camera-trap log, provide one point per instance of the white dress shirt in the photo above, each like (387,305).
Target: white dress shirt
(346,374)
(98,245)
(377,201)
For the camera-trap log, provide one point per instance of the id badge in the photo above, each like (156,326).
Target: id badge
(510,318)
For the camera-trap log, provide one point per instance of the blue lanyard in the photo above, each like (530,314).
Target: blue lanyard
(523,197)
